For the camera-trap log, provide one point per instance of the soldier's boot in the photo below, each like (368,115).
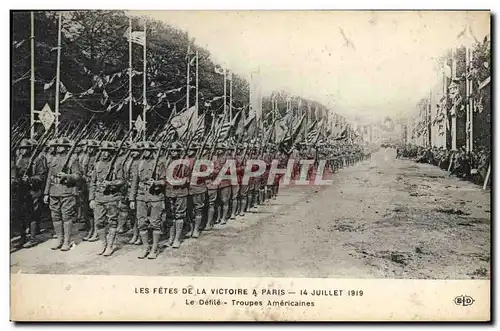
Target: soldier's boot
(138,241)
(111,241)
(32,241)
(145,244)
(238,206)
(58,228)
(210,218)
(243,205)
(171,234)
(95,233)
(234,209)
(104,240)
(122,220)
(225,211)
(91,231)
(189,233)
(135,234)
(156,241)
(67,227)
(178,231)
(197,223)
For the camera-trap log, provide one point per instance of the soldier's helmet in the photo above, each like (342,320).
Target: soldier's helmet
(92,143)
(148,146)
(194,147)
(221,146)
(125,146)
(135,146)
(25,143)
(107,146)
(176,146)
(63,142)
(51,143)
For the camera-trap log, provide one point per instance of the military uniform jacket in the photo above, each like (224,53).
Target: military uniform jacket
(130,167)
(179,172)
(53,185)
(210,180)
(219,164)
(98,191)
(240,168)
(87,165)
(38,170)
(199,186)
(139,189)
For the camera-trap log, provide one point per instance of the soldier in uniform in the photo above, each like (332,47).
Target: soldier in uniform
(32,178)
(105,195)
(123,206)
(88,162)
(268,186)
(212,190)
(177,194)
(243,191)
(131,167)
(60,193)
(81,197)
(225,184)
(236,194)
(147,197)
(197,193)
(253,182)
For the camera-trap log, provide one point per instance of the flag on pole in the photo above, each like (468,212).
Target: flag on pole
(182,122)
(137,37)
(219,70)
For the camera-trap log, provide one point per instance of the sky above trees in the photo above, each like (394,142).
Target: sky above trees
(365,64)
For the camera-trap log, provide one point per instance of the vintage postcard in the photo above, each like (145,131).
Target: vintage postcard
(250,165)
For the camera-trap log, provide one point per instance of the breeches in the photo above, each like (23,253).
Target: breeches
(212,197)
(63,209)
(225,194)
(178,207)
(243,190)
(149,214)
(198,201)
(235,190)
(106,214)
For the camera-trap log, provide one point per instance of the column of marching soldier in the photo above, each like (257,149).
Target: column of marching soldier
(111,188)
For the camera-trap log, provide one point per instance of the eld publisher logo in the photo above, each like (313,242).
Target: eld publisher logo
(464,300)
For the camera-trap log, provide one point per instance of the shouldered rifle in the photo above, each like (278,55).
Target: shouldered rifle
(109,175)
(43,140)
(66,164)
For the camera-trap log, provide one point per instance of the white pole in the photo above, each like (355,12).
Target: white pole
(471,108)
(467,106)
(32,82)
(487,177)
(197,85)
(144,74)
(130,119)
(58,76)
(231,96)
(225,92)
(188,73)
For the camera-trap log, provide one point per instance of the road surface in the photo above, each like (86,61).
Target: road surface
(382,218)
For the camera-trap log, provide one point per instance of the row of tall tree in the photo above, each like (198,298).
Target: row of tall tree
(94,70)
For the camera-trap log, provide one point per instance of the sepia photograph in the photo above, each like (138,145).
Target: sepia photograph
(255,165)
